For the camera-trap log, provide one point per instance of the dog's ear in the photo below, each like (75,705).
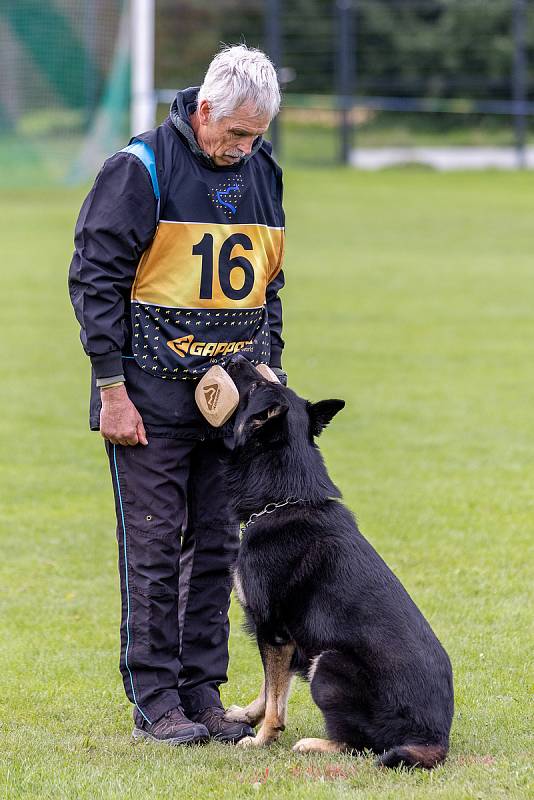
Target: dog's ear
(265,422)
(268,416)
(322,413)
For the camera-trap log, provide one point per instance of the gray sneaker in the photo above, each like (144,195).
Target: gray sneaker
(172,728)
(221,729)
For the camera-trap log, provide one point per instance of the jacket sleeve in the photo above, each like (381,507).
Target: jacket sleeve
(274,304)
(116,224)
(274,313)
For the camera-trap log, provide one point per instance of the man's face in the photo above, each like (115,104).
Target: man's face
(228,139)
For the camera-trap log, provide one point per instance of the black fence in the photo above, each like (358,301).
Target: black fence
(361,73)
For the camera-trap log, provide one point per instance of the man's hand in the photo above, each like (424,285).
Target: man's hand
(120,421)
(280,374)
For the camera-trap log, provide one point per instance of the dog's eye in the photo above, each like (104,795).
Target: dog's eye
(253,387)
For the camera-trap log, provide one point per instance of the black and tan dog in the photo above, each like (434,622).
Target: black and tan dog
(320,600)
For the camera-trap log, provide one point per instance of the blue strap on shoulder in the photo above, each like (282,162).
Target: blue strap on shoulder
(145,154)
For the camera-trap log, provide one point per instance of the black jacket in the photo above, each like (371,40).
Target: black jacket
(116,226)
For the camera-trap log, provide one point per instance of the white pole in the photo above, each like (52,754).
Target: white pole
(143,105)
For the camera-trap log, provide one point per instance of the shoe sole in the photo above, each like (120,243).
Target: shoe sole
(228,739)
(139,734)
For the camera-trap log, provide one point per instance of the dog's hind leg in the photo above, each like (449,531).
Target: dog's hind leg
(252,714)
(319,746)
(312,745)
(278,676)
(337,687)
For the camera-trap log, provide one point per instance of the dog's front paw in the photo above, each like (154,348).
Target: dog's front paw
(237,714)
(249,741)
(262,739)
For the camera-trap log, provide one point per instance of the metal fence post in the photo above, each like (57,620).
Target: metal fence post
(143,103)
(89,71)
(520,80)
(345,74)
(274,51)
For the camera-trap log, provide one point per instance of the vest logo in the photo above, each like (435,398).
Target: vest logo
(211,395)
(181,345)
(186,345)
(226,195)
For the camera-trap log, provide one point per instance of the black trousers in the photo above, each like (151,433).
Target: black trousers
(177,544)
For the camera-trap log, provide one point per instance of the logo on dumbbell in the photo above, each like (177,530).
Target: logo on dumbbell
(211,395)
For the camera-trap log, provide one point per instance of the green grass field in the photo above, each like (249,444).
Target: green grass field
(410,295)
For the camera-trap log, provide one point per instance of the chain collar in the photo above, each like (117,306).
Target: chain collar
(269,508)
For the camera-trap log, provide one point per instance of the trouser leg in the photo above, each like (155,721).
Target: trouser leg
(209,550)
(150,486)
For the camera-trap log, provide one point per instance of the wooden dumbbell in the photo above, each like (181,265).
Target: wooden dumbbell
(267,373)
(216,396)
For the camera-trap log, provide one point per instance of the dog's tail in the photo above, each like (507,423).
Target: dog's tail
(425,756)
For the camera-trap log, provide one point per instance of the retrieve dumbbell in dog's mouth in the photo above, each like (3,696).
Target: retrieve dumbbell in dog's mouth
(320,600)
(216,394)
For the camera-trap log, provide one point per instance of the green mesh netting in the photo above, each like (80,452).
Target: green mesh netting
(64,91)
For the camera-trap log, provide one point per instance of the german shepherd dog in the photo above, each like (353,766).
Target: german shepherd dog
(320,600)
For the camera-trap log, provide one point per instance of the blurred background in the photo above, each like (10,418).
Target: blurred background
(366,82)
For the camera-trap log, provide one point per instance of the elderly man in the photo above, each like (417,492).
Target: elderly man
(177,265)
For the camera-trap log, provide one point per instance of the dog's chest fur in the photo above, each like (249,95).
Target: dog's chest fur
(238,587)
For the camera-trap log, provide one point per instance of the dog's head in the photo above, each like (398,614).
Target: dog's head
(268,412)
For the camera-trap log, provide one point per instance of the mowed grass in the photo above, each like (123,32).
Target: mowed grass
(409,294)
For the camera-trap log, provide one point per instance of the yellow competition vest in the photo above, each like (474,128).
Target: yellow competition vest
(199,293)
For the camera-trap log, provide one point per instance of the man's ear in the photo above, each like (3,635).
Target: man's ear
(322,413)
(203,111)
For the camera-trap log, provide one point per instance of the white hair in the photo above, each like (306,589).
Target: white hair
(240,75)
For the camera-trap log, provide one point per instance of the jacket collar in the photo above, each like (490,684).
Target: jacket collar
(182,106)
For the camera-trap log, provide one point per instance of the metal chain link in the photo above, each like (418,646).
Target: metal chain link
(269,508)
